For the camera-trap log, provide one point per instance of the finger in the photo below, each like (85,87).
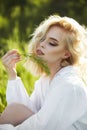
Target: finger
(15,60)
(10,53)
(10,59)
(13,63)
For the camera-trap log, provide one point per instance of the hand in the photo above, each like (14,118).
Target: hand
(9,61)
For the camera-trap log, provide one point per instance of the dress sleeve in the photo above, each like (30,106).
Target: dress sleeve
(65,104)
(16,93)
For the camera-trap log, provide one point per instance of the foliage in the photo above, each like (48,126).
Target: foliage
(38,61)
(3,81)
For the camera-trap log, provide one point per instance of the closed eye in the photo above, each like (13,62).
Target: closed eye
(53,44)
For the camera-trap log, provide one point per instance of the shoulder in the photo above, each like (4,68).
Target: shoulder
(68,74)
(68,70)
(68,78)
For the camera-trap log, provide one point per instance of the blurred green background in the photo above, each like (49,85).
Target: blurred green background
(18,19)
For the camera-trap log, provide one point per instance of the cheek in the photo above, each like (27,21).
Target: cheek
(56,54)
(52,55)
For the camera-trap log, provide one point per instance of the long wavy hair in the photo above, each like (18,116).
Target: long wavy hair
(75,38)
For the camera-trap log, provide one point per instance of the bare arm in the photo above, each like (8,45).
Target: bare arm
(15,114)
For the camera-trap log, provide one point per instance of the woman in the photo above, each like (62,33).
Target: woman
(59,100)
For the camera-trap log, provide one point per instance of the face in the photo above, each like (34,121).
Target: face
(51,48)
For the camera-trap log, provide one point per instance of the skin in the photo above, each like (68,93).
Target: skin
(15,114)
(52,49)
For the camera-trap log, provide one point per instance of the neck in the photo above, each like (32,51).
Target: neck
(53,70)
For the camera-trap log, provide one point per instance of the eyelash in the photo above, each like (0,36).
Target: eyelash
(52,44)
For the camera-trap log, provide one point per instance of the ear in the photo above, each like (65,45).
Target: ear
(67,54)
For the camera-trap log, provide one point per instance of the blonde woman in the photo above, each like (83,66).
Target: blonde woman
(59,100)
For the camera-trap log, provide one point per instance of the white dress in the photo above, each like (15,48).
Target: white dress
(59,105)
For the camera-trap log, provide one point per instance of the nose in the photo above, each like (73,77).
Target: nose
(43,44)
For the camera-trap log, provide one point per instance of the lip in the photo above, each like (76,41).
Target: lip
(39,52)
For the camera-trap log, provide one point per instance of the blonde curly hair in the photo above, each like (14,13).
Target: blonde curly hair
(75,38)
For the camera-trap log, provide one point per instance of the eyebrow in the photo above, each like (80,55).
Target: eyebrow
(53,39)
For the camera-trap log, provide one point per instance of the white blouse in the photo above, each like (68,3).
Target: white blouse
(58,105)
